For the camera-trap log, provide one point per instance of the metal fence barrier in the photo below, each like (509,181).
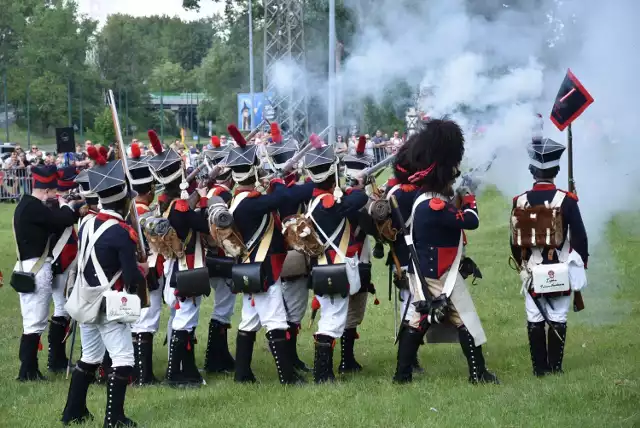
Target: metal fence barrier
(14,182)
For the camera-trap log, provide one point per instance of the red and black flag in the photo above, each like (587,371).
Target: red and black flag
(571,101)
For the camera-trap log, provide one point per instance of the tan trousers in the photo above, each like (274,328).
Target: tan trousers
(435,287)
(357,306)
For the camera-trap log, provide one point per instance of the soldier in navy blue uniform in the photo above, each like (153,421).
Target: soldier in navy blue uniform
(144,329)
(115,253)
(255,215)
(188,224)
(217,358)
(65,250)
(295,288)
(331,209)
(38,217)
(547,352)
(405,193)
(437,231)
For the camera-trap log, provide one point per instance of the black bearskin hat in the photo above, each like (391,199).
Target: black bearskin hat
(432,156)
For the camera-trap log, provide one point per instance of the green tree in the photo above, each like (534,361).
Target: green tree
(167,77)
(103,127)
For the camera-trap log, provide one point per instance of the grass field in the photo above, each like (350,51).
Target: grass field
(600,387)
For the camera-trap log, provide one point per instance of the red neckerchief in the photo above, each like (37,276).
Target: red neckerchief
(544,186)
(408,188)
(392,182)
(253,193)
(142,203)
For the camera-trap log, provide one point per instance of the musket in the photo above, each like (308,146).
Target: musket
(74,328)
(377,167)
(424,306)
(544,314)
(255,130)
(291,163)
(143,292)
(578,301)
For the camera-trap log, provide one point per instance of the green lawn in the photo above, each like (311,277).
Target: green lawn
(600,387)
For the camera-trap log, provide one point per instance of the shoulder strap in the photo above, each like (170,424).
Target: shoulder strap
(344,241)
(557,200)
(234,205)
(522,201)
(64,238)
(38,265)
(166,213)
(88,251)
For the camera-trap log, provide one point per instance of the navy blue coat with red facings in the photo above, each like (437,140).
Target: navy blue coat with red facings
(571,222)
(329,214)
(437,225)
(115,250)
(248,217)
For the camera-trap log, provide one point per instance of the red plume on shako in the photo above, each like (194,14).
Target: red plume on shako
(215,141)
(315,141)
(276,135)
(236,135)
(362,144)
(155,141)
(103,152)
(96,156)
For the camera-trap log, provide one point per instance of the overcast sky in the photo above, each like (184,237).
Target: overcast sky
(99,9)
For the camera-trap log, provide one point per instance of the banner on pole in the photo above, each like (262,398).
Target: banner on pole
(244,109)
(571,101)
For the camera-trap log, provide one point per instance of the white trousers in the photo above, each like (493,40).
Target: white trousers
(35,306)
(224,300)
(59,283)
(264,309)
(557,310)
(149,321)
(333,315)
(110,336)
(296,298)
(186,317)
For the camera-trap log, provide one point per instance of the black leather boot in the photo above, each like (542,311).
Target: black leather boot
(348,363)
(104,369)
(75,410)
(298,364)
(556,346)
(408,344)
(28,354)
(478,372)
(143,354)
(538,348)
(173,376)
(279,346)
(116,390)
(244,355)
(323,362)
(218,359)
(57,361)
(189,368)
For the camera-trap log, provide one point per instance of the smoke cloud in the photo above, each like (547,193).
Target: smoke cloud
(492,67)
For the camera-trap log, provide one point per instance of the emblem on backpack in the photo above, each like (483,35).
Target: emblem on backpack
(123,300)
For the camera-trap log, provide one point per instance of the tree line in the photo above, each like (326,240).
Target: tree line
(49,53)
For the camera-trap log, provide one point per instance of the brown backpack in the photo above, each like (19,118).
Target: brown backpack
(537,226)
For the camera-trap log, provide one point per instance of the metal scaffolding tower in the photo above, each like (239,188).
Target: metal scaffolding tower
(284,41)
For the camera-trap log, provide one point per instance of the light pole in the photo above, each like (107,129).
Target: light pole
(251,88)
(332,72)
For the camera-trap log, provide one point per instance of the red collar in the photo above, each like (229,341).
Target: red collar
(243,190)
(544,186)
(318,192)
(142,203)
(102,216)
(392,182)
(163,198)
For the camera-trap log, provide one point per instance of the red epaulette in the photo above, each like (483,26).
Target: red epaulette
(408,187)
(348,190)
(570,194)
(515,198)
(254,194)
(392,182)
(182,205)
(217,191)
(163,198)
(142,209)
(437,204)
